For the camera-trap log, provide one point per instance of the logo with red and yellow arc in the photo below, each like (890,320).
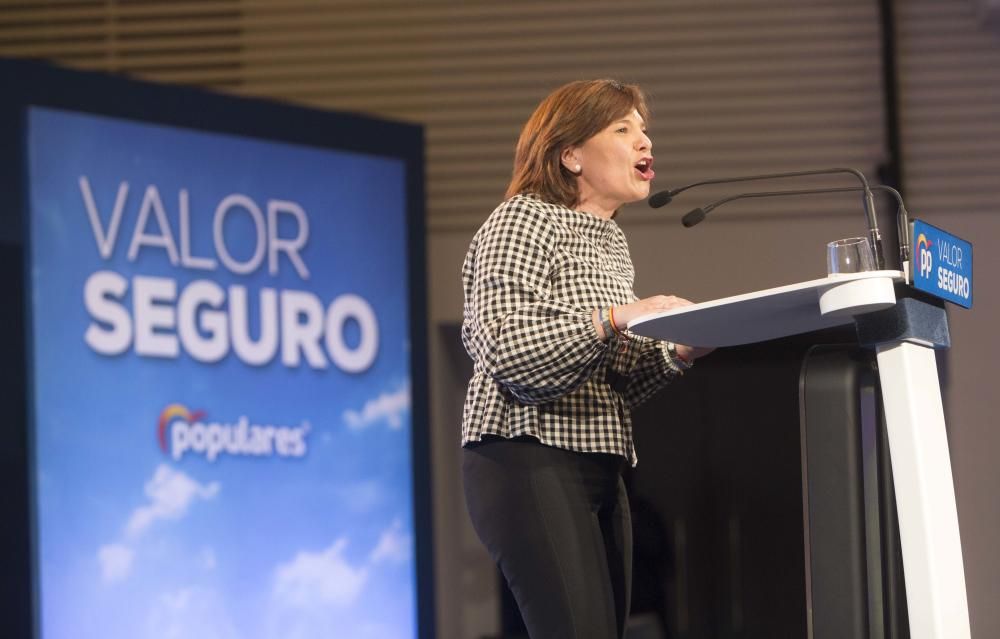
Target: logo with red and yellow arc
(169,414)
(923,243)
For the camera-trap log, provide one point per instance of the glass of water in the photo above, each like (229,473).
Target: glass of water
(849,255)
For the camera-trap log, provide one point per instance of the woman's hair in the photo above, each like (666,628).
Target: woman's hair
(569,116)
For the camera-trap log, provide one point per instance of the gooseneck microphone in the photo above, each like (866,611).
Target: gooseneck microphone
(658,199)
(902,217)
(663,197)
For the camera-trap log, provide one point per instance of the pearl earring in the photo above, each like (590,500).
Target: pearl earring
(578,167)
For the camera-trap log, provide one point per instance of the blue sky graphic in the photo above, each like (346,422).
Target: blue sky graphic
(134,543)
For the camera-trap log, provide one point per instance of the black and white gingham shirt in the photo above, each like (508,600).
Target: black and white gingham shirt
(533,276)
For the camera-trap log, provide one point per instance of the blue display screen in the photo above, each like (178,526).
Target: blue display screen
(220,376)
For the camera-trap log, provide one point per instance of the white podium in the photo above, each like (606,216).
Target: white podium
(925,499)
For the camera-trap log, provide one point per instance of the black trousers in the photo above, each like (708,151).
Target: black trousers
(557,523)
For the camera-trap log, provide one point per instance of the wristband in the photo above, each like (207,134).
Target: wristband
(619,332)
(605,320)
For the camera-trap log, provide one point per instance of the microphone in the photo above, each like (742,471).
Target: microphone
(697,215)
(663,197)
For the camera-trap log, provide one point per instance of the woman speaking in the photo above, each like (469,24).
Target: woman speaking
(547,427)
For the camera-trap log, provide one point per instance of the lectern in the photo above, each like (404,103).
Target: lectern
(903,330)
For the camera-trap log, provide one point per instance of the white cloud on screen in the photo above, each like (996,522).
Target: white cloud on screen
(393,546)
(319,579)
(313,593)
(170,494)
(388,407)
(189,612)
(116,562)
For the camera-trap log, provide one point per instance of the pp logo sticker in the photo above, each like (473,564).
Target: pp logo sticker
(925,256)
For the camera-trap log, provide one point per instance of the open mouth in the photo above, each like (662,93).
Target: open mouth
(645,168)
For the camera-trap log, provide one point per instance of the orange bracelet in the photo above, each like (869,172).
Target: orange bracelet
(614,327)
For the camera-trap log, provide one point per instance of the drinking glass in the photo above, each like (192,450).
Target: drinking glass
(849,255)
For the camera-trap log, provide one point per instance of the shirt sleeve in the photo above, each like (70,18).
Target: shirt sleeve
(536,347)
(652,372)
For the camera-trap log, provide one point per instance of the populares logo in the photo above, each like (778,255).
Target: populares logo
(181,431)
(924,255)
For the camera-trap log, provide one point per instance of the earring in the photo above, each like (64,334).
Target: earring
(578,168)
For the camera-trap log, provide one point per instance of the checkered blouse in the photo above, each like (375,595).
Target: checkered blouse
(533,276)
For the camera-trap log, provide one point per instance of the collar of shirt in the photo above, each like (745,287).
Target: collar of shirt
(590,226)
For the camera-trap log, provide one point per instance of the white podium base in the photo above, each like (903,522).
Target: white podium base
(925,500)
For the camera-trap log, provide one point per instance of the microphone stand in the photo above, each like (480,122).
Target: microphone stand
(902,217)
(663,197)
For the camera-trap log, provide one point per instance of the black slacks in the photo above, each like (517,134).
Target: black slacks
(557,523)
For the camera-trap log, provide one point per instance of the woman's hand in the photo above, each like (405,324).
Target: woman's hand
(655,304)
(658,304)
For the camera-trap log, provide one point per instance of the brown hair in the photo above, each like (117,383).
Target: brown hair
(569,116)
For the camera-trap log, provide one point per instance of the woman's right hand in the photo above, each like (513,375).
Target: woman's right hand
(655,304)
(658,304)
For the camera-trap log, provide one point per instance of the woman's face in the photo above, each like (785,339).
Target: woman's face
(615,166)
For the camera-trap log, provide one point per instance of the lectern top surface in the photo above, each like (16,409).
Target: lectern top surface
(751,317)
